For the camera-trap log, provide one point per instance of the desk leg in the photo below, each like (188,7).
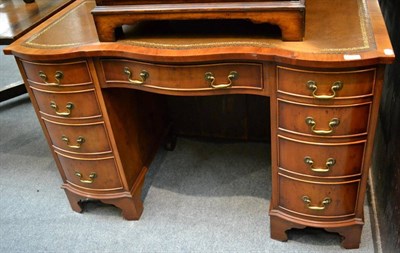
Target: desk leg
(132,208)
(129,202)
(280,226)
(351,235)
(74,201)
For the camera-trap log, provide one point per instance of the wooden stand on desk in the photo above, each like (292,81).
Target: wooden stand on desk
(109,15)
(102,105)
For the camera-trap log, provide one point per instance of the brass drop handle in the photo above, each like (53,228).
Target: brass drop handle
(58,76)
(332,124)
(92,176)
(233,75)
(68,107)
(329,163)
(307,200)
(79,142)
(312,85)
(143,76)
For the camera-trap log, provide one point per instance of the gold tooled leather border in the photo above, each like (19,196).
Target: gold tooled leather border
(30,42)
(365,26)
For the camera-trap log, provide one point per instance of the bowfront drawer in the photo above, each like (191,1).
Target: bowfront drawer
(78,104)
(184,77)
(90,138)
(320,159)
(333,121)
(95,173)
(318,199)
(58,74)
(326,85)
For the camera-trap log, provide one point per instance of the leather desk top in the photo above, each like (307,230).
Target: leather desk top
(334,30)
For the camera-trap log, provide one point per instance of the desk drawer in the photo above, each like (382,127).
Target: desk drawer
(321,159)
(184,77)
(325,200)
(95,173)
(304,83)
(90,138)
(58,75)
(78,104)
(323,121)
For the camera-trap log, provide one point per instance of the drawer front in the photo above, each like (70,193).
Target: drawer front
(323,121)
(58,74)
(98,173)
(79,104)
(185,77)
(83,139)
(328,200)
(325,85)
(321,159)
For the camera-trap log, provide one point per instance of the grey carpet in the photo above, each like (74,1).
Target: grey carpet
(8,70)
(205,196)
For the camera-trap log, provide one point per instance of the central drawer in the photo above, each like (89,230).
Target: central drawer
(183,77)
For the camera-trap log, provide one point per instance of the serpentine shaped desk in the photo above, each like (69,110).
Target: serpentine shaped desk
(102,104)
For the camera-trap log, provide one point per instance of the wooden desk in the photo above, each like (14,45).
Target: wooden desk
(103,111)
(16,19)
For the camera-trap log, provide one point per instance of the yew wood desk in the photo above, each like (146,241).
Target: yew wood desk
(102,104)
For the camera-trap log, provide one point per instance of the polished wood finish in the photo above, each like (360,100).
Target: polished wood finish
(65,137)
(19,17)
(134,117)
(125,2)
(347,156)
(184,78)
(106,174)
(343,197)
(85,103)
(323,115)
(288,15)
(356,84)
(74,73)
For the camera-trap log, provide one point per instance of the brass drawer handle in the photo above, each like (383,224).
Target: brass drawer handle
(58,76)
(68,107)
(233,75)
(79,142)
(326,201)
(329,163)
(332,124)
(143,76)
(92,176)
(312,85)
